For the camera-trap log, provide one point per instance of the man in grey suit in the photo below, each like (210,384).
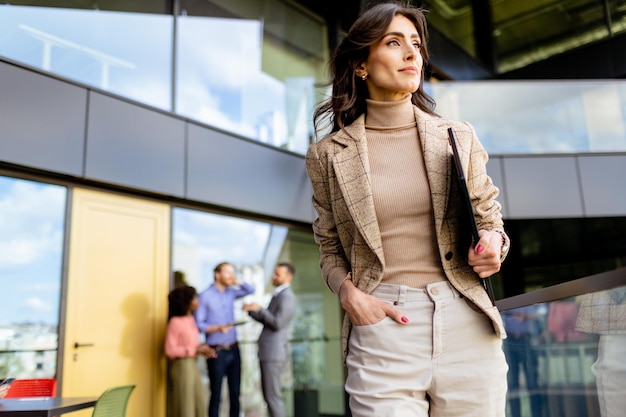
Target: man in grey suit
(273,349)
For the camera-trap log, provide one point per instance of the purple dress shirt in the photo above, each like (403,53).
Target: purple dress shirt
(217,307)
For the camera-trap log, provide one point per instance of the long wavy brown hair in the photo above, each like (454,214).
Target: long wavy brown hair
(349,92)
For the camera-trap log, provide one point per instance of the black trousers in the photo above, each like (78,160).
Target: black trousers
(226,365)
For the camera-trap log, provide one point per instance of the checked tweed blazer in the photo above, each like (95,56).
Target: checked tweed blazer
(346,227)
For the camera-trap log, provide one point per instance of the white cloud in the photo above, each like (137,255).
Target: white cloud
(31,220)
(37,304)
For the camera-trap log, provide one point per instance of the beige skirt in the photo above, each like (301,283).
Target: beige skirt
(186,394)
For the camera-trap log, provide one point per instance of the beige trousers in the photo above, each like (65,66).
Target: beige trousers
(186,394)
(447,361)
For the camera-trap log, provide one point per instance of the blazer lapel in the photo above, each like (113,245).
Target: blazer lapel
(437,159)
(353,176)
(275,299)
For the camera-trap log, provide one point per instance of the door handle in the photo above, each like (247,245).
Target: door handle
(78,345)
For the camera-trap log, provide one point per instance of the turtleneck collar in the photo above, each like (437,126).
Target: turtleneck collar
(389,114)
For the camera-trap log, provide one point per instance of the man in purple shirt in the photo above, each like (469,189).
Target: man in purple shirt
(215,318)
(523,327)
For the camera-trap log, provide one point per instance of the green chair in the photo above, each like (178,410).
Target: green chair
(113,402)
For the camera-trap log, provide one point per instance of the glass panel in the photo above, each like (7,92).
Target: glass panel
(566,356)
(548,252)
(248,67)
(453,19)
(144,6)
(219,79)
(124,53)
(202,240)
(255,71)
(539,117)
(32,219)
(532,30)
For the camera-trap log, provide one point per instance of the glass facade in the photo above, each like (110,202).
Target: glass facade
(539,117)
(202,240)
(32,222)
(566,356)
(558,352)
(453,19)
(250,68)
(128,54)
(547,252)
(530,31)
(256,69)
(517,33)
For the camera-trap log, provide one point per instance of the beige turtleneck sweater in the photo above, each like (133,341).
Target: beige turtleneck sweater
(401,195)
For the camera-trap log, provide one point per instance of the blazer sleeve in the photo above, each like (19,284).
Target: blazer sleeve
(279,317)
(483,192)
(333,261)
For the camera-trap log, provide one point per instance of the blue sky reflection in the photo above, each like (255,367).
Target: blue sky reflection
(31,248)
(202,240)
(124,53)
(521,117)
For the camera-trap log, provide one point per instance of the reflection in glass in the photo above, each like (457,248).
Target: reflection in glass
(539,117)
(124,53)
(201,241)
(604,313)
(527,32)
(31,252)
(253,74)
(221,83)
(268,55)
(566,357)
(455,20)
(523,327)
(219,78)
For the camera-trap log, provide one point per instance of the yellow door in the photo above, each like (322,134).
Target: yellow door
(118,280)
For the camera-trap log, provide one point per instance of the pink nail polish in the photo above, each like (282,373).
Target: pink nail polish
(479,248)
(404,319)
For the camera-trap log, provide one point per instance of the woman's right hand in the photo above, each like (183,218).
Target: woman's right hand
(364,309)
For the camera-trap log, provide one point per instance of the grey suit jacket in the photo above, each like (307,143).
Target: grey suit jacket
(276,319)
(346,227)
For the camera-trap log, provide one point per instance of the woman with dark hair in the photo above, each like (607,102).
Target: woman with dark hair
(186,395)
(421,336)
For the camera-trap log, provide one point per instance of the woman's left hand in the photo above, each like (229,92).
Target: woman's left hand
(485,256)
(207,351)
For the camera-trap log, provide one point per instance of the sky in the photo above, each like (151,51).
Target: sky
(31,242)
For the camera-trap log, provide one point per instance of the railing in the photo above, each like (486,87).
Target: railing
(28,363)
(563,345)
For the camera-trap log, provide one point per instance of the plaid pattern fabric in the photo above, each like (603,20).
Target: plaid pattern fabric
(602,312)
(346,227)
